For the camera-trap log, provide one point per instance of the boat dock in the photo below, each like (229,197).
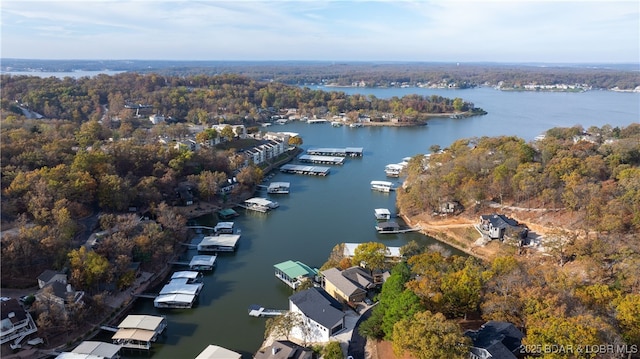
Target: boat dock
(305,170)
(259,311)
(393,228)
(328,160)
(342,152)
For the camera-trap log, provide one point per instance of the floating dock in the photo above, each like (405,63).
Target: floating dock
(258,311)
(328,160)
(342,152)
(305,170)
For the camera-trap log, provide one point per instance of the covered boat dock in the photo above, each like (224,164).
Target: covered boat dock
(305,170)
(343,152)
(327,160)
(221,243)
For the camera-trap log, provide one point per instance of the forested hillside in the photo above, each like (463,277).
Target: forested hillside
(583,291)
(593,173)
(95,150)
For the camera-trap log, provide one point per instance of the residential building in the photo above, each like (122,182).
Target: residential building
(15,322)
(348,286)
(293,273)
(322,315)
(156,119)
(497,226)
(60,294)
(499,340)
(49,276)
(284,349)
(240,131)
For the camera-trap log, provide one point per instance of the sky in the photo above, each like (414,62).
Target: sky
(547,31)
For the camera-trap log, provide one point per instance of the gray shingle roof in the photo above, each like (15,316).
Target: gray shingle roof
(319,306)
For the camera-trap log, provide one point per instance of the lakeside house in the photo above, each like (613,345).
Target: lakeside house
(49,276)
(347,286)
(322,315)
(495,340)
(16,323)
(499,226)
(294,273)
(284,349)
(59,293)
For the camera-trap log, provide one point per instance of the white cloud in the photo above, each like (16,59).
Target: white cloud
(551,31)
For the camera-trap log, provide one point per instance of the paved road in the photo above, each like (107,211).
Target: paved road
(357,343)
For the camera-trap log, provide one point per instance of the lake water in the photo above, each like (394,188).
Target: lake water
(321,212)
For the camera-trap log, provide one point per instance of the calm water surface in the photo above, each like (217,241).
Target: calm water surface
(321,212)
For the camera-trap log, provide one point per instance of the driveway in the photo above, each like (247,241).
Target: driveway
(357,342)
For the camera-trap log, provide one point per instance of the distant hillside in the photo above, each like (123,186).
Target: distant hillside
(370,74)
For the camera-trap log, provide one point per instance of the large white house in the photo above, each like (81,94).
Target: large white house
(322,315)
(16,323)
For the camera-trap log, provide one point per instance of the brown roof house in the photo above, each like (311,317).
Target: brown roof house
(49,276)
(284,349)
(350,285)
(16,322)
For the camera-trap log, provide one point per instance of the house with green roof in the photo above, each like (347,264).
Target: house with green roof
(293,273)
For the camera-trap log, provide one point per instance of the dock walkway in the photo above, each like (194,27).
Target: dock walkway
(259,311)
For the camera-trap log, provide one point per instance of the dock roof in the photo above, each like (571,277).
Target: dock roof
(175,298)
(295,269)
(259,201)
(202,260)
(221,240)
(147,322)
(217,352)
(99,349)
(134,334)
(179,286)
(189,274)
(382,211)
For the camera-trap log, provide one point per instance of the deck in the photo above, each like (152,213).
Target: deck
(259,311)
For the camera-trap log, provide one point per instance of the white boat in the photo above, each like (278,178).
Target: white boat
(336,123)
(260,204)
(382,214)
(278,187)
(382,186)
(393,170)
(355,124)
